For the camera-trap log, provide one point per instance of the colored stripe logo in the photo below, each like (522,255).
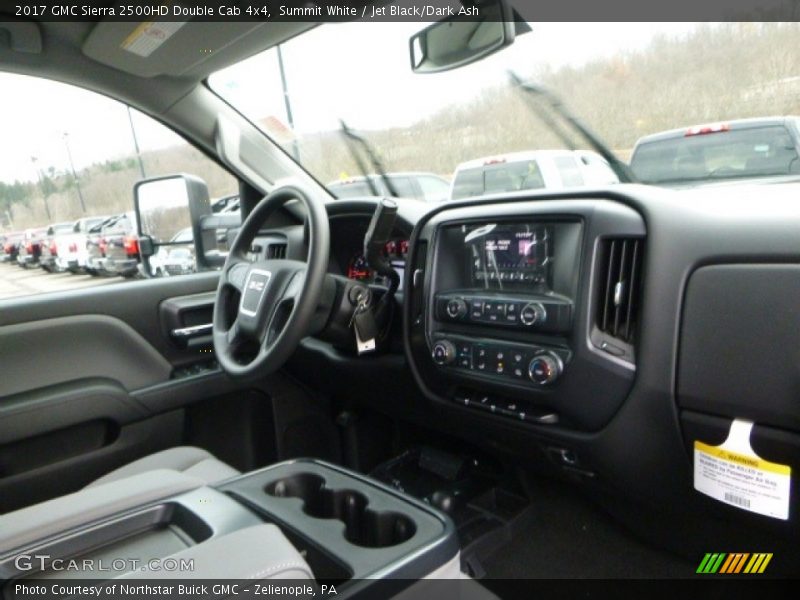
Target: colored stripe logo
(734,563)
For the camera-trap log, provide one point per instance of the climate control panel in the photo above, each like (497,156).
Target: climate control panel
(501,361)
(548,314)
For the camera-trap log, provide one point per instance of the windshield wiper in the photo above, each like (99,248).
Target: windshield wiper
(533,91)
(377,165)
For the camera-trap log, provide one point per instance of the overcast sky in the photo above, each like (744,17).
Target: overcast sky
(359,72)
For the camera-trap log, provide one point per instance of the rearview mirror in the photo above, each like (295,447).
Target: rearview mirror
(463,38)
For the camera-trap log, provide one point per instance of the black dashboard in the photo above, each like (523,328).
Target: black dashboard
(593,333)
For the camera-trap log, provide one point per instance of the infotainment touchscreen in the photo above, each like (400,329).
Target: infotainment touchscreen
(517,255)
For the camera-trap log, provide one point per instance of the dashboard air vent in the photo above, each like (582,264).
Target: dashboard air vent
(276,251)
(620,283)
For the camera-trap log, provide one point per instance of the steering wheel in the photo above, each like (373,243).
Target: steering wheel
(277,299)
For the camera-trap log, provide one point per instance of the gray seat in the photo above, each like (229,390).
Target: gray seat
(189,460)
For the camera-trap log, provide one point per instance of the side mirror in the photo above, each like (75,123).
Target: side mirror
(169,210)
(463,38)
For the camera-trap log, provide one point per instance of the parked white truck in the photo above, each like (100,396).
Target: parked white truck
(71,249)
(531,170)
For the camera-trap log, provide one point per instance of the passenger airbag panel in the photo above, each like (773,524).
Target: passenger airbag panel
(739,347)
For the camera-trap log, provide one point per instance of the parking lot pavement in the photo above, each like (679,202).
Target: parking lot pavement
(15,281)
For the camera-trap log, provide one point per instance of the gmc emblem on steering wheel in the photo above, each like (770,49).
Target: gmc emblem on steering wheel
(254,287)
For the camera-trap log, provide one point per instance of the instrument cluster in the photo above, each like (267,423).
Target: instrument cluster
(395,250)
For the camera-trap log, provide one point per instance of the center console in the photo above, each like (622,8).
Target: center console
(523,310)
(301,519)
(357,527)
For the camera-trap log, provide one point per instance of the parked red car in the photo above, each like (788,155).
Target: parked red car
(10,248)
(31,247)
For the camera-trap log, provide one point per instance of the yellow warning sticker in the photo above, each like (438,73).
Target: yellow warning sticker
(732,473)
(149,36)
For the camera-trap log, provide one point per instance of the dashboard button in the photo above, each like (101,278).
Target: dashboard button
(532,313)
(465,362)
(483,402)
(456,308)
(509,408)
(477,309)
(443,353)
(463,399)
(545,368)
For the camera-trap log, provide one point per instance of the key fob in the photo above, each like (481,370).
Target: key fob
(366,330)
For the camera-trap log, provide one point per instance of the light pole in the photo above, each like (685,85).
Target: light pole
(136,143)
(288,103)
(41,188)
(74,175)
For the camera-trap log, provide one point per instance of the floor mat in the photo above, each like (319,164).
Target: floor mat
(569,537)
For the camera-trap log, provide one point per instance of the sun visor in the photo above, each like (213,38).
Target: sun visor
(19,35)
(150,49)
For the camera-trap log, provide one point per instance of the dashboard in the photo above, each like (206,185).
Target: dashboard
(593,333)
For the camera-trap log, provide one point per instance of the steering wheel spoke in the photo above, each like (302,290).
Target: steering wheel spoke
(234,337)
(289,283)
(235,274)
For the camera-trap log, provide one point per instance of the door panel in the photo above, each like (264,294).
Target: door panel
(93,379)
(54,407)
(136,304)
(52,351)
(49,476)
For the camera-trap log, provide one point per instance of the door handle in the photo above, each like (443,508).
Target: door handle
(185,333)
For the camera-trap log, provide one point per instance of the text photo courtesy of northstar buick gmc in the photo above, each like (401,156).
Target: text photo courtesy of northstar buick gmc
(382,305)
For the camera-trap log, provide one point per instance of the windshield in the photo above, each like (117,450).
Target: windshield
(61,228)
(625,80)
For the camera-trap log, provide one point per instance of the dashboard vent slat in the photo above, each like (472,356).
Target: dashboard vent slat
(607,307)
(618,302)
(632,290)
(276,251)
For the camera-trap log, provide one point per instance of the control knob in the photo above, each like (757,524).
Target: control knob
(532,313)
(444,352)
(456,308)
(545,368)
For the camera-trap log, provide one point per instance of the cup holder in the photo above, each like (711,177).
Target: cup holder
(363,526)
